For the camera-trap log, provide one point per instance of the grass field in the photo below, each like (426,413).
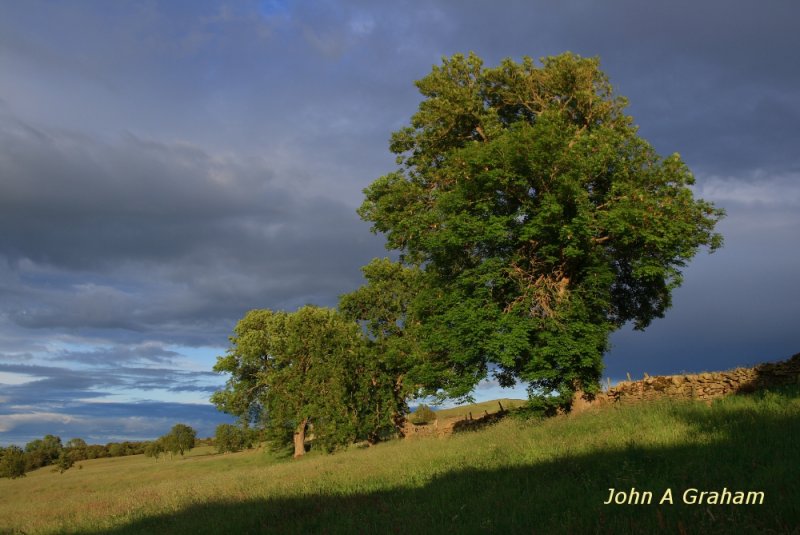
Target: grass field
(514,477)
(479,409)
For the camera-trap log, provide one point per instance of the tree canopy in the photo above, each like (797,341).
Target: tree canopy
(295,372)
(180,439)
(12,462)
(382,306)
(231,438)
(540,219)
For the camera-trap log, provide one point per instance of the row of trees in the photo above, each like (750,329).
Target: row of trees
(530,220)
(49,451)
(180,439)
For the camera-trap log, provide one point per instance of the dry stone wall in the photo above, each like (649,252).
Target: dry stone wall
(705,386)
(701,386)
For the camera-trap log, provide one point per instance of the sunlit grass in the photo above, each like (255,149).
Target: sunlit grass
(479,409)
(517,476)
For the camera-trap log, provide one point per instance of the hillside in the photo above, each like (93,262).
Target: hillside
(514,477)
(479,409)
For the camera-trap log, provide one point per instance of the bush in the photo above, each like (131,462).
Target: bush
(64,462)
(423,415)
(12,462)
(230,438)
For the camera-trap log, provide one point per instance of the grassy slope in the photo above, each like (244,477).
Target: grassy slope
(477,409)
(515,477)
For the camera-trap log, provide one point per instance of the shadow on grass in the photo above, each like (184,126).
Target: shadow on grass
(739,449)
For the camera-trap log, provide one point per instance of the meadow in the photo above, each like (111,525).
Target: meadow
(517,476)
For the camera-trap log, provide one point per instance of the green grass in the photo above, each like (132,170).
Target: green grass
(514,477)
(478,409)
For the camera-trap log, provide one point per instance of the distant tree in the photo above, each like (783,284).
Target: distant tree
(423,415)
(115,449)
(133,448)
(230,438)
(180,439)
(76,449)
(42,452)
(96,451)
(64,462)
(294,371)
(154,449)
(12,462)
(76,443)
(541,220)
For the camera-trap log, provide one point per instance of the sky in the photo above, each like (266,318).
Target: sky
(167,166)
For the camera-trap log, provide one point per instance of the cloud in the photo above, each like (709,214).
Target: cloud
(147,352)
(9,421)
(140,234)
(62,387)
(99,423)
(767,191)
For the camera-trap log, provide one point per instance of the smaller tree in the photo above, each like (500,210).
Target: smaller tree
(76,449)
(230,438)
(12,462)
(423,415)
(41,452)
(115,449)
(292,373)
(154,449)
(180,439)
(64,462)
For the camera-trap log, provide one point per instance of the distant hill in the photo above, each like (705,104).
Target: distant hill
(479,409)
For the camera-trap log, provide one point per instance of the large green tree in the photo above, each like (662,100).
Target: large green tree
(295,372)
(543,222)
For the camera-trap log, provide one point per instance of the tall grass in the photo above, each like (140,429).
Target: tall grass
(518,476)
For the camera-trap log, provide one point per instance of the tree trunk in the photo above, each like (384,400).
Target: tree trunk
(300,438)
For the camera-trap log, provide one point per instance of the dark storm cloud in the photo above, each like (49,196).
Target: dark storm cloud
(137,234)
(711,80)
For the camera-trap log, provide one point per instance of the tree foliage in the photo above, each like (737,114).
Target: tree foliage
(42,452)
(295,373)
(540,218)
(154,449)
(12,462)
(64,461)
(423,415)
(383,307)
(180,439)
(231,438)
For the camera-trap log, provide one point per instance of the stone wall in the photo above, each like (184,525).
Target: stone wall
(704,386)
